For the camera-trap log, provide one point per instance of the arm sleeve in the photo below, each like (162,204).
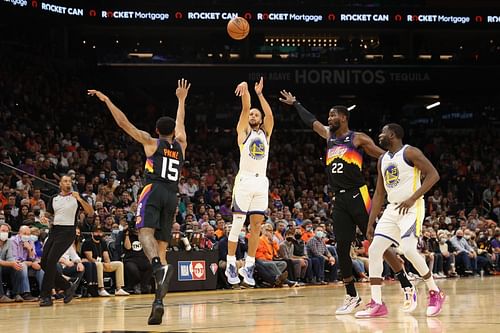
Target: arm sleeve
(307,117)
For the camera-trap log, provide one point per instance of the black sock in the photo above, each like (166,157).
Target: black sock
(403,279)
(156,263)
(350,288)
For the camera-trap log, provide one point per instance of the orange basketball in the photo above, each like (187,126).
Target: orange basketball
(238,28)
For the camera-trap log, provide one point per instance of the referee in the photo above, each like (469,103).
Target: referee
(64,207)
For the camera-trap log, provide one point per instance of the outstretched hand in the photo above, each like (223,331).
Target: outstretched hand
(259,86)
(98,94)
(241,89)
(288,97)
(182,88)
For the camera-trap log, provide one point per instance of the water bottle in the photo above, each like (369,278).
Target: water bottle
(482,272)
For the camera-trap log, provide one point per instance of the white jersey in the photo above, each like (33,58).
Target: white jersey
(254,152)
(401,179)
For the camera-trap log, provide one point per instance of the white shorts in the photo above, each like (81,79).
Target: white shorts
(395,227)
(250,194)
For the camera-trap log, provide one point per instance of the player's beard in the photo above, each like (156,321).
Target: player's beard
(254,125)
(384,143)
(334,127)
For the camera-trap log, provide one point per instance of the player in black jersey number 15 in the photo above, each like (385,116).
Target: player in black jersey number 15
(344,162)
(158,199)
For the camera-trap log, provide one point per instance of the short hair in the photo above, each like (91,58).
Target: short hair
(397,130)
(165,125)
(342,109)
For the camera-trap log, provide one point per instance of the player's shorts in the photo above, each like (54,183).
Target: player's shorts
(396,227)
(352,208)
(156,209)
(250,193)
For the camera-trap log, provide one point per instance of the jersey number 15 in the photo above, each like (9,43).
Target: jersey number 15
(170,165)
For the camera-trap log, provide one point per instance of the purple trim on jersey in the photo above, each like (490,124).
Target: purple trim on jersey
(389,238)
(256,212)
(142,206)
(412,230)
(237,209)
(405,159)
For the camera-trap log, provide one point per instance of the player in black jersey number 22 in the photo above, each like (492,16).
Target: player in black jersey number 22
(158,199)
(344,162)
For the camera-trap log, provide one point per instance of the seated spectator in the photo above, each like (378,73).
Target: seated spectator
(267,260)
(219,232)
(7,263)
(307,230)
(465,255)
(321,257)
(95,250)
(433,245)
(138,269)
(90,269)
(448,256)
(297,265)
(23,252)
(209,240)
(425,251)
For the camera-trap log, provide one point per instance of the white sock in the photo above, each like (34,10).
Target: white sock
(377,293)
(231,259)
(249,261)
(431,284)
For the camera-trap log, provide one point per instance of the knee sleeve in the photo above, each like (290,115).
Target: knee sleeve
(376,256)
(238,221)
(409,248)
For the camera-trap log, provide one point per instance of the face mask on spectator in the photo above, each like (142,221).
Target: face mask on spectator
(97,238)
(297,236)
(309,229)
(120,228)
(4,236)
(442,240)
(102,175)
(25,238)
(242,234)
(320,234)
(115,231)
(459,237)
(34,238)
(467,237)
(289,239)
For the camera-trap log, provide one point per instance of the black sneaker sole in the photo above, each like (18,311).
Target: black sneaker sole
(162,289)
(156,315)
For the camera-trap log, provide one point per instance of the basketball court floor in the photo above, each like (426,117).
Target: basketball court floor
(473,304)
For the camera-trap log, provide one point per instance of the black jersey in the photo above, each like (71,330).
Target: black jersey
(344,163)
(164,166)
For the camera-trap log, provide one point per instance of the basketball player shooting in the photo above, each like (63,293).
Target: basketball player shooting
(251,186)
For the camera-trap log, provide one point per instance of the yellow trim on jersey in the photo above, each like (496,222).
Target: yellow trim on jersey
(419,204)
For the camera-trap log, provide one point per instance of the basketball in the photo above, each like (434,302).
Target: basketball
(238,28)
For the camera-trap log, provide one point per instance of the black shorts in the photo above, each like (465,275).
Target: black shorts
(156,209)
(351,209)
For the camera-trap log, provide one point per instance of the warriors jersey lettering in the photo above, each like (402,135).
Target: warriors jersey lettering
(254,152)
(344,163)
(165,164)
(401,178)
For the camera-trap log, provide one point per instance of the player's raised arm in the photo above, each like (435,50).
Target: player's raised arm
(269,118)
(366,143)
(242,127)
(122,120)
(180,130)
(307,117)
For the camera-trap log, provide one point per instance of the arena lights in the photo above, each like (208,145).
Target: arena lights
(433,105)
(352,107)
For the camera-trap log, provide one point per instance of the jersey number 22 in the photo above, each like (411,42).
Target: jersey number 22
(337,167)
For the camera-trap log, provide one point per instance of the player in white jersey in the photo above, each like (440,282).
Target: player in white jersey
(251,186)
(399,171)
